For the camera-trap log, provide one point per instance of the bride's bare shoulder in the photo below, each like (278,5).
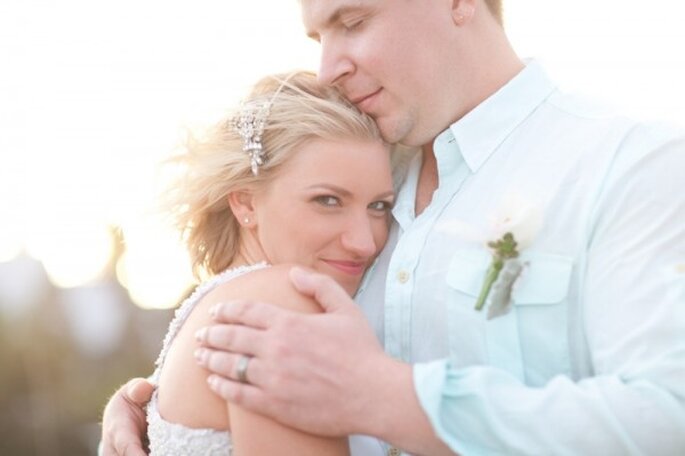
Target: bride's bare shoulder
(271,284)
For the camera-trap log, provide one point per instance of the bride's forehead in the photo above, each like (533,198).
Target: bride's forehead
(337,155)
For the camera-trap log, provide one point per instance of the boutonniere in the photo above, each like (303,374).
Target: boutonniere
(514,227)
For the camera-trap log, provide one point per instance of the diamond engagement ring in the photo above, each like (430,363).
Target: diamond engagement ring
(241,368)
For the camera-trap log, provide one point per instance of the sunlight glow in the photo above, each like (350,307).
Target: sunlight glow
(95,94)
(11,240)
(155,267)
(74,251)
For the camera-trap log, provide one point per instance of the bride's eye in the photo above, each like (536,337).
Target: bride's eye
(380,206)
(328,200)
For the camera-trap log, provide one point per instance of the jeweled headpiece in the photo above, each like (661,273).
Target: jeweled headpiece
(249,123)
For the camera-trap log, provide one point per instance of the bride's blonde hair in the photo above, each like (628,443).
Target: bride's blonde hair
(216,165)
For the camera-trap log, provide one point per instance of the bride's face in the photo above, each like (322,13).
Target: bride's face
(328,208)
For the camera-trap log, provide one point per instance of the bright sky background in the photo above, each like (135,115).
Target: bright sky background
(94,94)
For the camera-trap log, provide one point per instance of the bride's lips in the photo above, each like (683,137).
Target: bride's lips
(365,102)
(353,268)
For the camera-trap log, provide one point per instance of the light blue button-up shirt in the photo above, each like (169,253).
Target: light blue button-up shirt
(591,357)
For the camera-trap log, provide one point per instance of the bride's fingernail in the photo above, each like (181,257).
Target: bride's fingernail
(200,334)
(200,355)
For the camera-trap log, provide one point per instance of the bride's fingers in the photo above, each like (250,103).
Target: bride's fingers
(245,312)
(232,338)
(226,365)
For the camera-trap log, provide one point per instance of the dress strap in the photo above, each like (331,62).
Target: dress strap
(184,310)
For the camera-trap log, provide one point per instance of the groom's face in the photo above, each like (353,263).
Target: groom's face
(388,57)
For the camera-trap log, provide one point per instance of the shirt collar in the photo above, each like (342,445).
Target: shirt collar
(474,137)
(480,132)
(404,209)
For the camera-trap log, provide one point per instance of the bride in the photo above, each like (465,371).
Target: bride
(296,176)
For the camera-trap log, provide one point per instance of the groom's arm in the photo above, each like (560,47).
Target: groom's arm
(123,421)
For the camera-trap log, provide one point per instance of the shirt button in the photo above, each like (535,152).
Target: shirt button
(680,268)
(394,452)
(403,276)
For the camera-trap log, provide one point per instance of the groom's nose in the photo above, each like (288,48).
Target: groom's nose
(335,64)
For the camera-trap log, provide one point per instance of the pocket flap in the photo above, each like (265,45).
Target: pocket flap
(467,270)
(545,280)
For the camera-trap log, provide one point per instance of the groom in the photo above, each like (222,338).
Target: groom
(586,354)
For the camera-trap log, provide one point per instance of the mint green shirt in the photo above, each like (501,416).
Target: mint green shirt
(590,360)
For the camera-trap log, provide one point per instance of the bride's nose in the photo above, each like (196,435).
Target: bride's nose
(358,238)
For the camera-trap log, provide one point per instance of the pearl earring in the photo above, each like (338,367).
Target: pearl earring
(246,220)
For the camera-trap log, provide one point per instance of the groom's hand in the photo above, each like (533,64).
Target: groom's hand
(312,371)
(123,421)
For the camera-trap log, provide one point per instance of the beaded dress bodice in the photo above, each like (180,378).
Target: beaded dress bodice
(175,439)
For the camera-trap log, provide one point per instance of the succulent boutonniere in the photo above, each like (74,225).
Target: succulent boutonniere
(515,226)
(502,250)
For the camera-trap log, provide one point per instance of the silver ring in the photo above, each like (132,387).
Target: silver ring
(241,368)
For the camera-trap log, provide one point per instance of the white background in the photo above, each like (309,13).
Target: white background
(94,94)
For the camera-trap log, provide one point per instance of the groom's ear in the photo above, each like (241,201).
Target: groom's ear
(242,206)
(462,10)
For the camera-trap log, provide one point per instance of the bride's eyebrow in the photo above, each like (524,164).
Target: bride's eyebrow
(330,187)
(386,194)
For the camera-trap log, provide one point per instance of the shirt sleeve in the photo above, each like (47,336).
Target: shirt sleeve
(632,297)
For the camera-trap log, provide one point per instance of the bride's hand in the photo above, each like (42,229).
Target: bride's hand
(123,421)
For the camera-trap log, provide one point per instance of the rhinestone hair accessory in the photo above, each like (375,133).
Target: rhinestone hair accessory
(250,123)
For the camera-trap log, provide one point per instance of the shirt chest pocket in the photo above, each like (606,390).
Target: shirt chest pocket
(531,340)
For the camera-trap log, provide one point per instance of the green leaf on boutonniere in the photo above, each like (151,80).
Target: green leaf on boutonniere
(503,249)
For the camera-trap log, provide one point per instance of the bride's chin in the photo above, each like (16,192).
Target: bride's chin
(351,287)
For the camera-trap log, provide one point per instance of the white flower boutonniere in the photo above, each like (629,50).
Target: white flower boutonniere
(514,228)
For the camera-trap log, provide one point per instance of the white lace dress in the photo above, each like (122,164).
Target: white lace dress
(174,439)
